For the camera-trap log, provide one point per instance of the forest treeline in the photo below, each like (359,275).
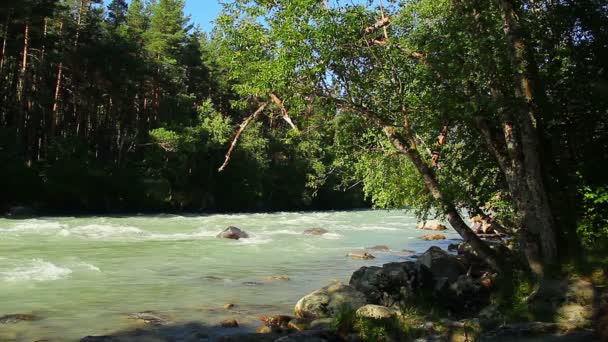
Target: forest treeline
(495,109)
(127,108)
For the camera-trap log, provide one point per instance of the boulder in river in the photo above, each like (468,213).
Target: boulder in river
(433,237)
(441,264)
(16,318)
(149,318)
(379,248)
(360,255)
(316,231)
(329,300)
(233,233)
(277,278)
(393,284)
(229,323)
(431,225)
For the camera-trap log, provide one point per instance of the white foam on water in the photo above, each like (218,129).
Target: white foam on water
(332,236)
(199,235)
(89,267)
(282,232)
(34,226)
(103,231)
(35,270)
(255,240)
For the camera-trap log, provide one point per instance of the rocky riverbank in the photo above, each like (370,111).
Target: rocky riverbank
(437,295)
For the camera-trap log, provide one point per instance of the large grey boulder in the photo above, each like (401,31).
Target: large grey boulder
(328,301)
(233,233)
(393,284)
(443,266)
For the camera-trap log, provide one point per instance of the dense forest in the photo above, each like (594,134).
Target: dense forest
(495,109)
(129,108)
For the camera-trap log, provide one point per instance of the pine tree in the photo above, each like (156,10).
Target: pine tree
(117,13)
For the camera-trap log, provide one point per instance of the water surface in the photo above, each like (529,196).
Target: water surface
(84,276)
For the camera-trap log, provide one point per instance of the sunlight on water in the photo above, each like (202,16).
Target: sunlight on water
(84,276)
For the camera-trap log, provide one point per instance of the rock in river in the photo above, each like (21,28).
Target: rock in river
(379,248)
(16,318)
(316,231)
(329,300)
(433,237)
(233,233)
(229,323)
(441,264)
(360,255)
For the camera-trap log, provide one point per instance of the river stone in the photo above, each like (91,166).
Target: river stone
(441,264)
(321,324)
(375,311)
(16,318)
(329,300)
(299,324)
(149,317)
(316,231)
(433,237)
(233,233)
(431,225)
(379,248)
(393,284)
(360,255)
(229,323)
(277,278)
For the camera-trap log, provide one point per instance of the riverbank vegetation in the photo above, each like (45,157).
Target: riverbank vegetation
(492,109)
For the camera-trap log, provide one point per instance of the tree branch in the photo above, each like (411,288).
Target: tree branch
(242,127)
(286,117)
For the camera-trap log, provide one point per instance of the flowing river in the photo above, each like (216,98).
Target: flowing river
(86,275)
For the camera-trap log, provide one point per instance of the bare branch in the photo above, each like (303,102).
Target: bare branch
(242,127)
(286,117)
(377,25)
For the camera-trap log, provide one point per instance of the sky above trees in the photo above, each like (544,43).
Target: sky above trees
(202,12)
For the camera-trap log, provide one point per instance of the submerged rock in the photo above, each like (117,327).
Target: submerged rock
(379,248)
(277,278)
(433,237)
(277,321)
(316,231)
(329,300)
(229,323)
(233,233)
(149,317)
(360,255)
(16,318)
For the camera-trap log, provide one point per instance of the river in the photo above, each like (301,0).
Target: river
(84,275)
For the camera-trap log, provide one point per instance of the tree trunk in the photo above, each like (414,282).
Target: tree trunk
(537,201)
(406,145)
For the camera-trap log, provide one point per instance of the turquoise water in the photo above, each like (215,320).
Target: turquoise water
(84,276)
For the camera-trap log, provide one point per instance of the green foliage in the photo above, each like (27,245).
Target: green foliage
(593,226)
(512,295)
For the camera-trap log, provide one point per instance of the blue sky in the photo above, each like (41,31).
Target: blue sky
(203,12)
